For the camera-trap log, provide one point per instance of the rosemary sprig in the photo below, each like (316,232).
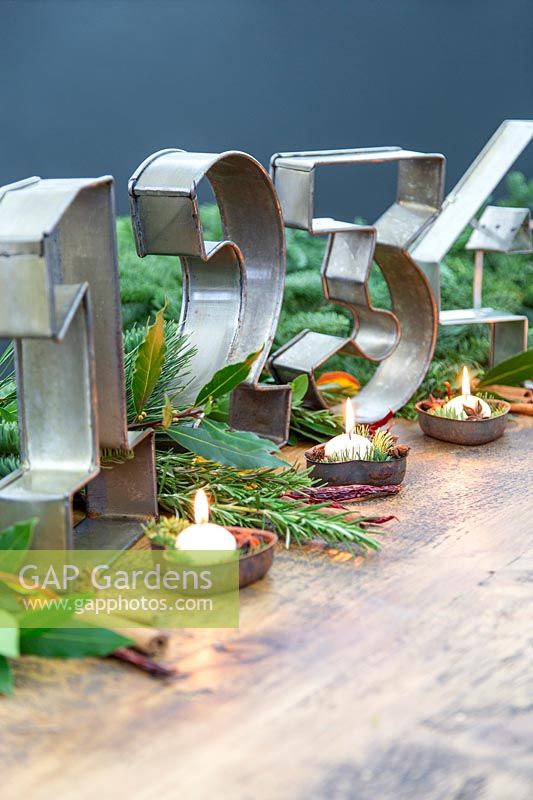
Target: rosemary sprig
(254,499)
(183,473)
(294,523)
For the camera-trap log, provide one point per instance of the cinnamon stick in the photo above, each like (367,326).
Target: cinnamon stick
(151,641)
(517,393)
(522,408)
(143,662)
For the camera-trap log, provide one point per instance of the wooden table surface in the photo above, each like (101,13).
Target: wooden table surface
(408,675)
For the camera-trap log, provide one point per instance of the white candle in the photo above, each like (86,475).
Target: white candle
(466,399)
(349,444)
(205,535)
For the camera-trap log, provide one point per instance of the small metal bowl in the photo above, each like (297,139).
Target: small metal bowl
(252,566)
(255,565)
(462,431)
(365,473)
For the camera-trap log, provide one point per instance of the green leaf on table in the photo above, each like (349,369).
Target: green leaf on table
(510,372)
(8,598)
(6,676)
(149,362)
(299,388)
(75,642)
(249,440)
(226,379)
(9,635)
(38,621)
(18,536)
(14,543)
(232,448)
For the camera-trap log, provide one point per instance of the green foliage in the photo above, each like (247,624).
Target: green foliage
(6,676)
(254,498)
(77,642)
(519,191)
(9,438)
(8,387)
(14,542)
(9,636)
(148,363)
(175,371)
(314,424)
(8,464)
(331,320)
(507,285)
(447,413)
(511,372)
(382,443)
(496,410)
(20,630)
(146,283)
(180,475)
(299,387)
(226,379)
(216,442)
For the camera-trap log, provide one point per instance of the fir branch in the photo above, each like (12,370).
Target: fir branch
(8,464)
(9,438)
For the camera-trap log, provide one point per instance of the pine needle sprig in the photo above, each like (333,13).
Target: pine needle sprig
(9,438)
(8,464)
(447,413)
(315,425)
(8,384)
(6,363)
(496,410)
(382,444)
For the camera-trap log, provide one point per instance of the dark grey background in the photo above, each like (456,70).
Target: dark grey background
(92,87)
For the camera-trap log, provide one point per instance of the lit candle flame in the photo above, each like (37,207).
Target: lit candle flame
(465,390)
(349,417)
(201,507)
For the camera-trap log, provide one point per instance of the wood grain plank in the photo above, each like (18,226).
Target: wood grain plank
(405,675)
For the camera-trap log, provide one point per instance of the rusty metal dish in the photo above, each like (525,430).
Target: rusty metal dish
(252,566)
(366,473)
(458,431)
(255,565)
